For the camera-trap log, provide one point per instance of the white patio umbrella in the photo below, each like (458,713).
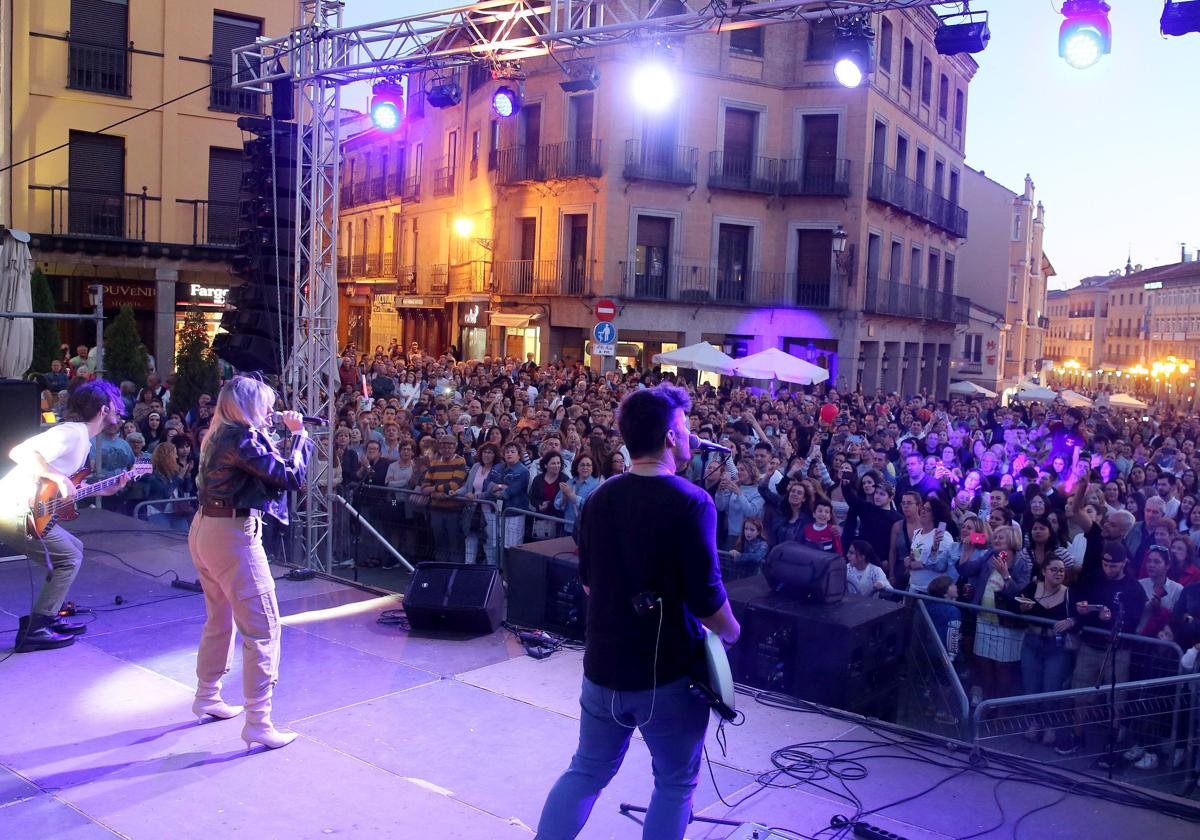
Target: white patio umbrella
(1125,401)
(1034,393)
(1074,399)
(970,389)
(773,363)
(700,356)
(16,334)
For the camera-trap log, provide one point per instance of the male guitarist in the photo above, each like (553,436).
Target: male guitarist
(648,560)
(53,455)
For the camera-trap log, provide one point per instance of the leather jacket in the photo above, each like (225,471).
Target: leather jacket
(241,468)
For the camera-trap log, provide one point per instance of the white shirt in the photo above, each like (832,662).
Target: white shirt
(1173,588)
(64,447)
(863,583)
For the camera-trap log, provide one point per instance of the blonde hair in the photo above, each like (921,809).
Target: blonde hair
(1010,535)
(243,401)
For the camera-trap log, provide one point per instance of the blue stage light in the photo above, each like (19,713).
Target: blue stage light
(387,106)
(1086,35)
(505,101)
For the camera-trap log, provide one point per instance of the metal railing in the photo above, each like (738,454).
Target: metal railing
(378,190)
(885,297)
(474,277)
(814,177)
(542,277)
(443,180)
(343,266)
(741,172)
(411,189)
(213,222)
(358,265)
(374,265)
(655,162)
(111,215)
(406,279)
(98,68)
(570,159)
(701,283)
(891,188)
(222,96)
(142,506)
(439,279)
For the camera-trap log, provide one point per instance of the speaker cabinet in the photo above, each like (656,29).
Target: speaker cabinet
(20,416)
(848,655)
(455,597)
(544,589)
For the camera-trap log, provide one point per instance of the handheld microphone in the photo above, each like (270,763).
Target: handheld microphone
(701,445)
(316,421)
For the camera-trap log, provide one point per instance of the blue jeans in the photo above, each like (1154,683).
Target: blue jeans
(1045,664)
(674,734)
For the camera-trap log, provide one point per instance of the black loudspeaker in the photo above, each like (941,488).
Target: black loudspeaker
(20,416)
(806,573)
(848,655)
(455,597)
(544,589)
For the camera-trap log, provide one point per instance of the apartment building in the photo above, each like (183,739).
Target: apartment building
(1003,268)
(765,207)
(148,207)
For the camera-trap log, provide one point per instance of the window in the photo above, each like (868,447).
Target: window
(931,275)
(906,65)
(224,184)
(821,35)
(651,257)
(96,185)
(1016,228)
(885,45)
(973,348)
(896,267)
(926,80)
(953,187)
(947,276)
(733,261)
(901,155)
(879,149)
(1013,281)
(959,110)
(747,41)
(939,176)
(475,153)
(914,267)
(814,266)
(493,143)
(874,256)
(98,48)
(922,166)
(230,32)
(943,96)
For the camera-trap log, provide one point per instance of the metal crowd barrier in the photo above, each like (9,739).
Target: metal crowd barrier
(140,506)
(932,696)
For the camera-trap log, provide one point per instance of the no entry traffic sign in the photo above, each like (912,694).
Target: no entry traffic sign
(606,309)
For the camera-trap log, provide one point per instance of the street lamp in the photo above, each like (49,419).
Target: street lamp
(96,298)
(887,362)
(862,366)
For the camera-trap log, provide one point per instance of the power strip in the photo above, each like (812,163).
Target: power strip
(874,832)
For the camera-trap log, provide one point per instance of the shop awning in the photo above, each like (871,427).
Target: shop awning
(516,320)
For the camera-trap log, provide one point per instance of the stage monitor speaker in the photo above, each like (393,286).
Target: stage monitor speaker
(20,416)
(455,597)
(848,655)
(544,590)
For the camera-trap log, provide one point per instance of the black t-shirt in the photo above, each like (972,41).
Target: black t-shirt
(647,534)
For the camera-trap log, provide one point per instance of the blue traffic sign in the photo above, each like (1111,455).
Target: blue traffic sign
(604,332)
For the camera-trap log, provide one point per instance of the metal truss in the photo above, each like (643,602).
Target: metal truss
(322,54)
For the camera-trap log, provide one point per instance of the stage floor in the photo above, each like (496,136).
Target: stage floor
(400,735)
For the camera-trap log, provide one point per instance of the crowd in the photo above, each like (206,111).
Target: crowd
(1083,517)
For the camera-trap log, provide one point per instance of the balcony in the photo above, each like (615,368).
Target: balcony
(358,265)
(359,192)
(542,277)
(439,279)
(343,266)
(698,283)
(557,161)
(895,190)
(223,97)
(668,164)
(411,189)
(742,173)
(213,222)
(96,213)
(1043,322)
(471,278)
(374,265)
(98,69)
(406,279)
(885,297)
(814,177)
(443,180)
(377,189)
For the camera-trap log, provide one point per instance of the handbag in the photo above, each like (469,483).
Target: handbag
(1009,605)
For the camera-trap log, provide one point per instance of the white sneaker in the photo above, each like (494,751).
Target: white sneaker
(1149,761)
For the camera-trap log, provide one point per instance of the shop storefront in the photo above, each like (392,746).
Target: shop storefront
(423,320)
(472,330)
(522,335)
(205,298)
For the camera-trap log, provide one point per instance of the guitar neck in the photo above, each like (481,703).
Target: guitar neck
(101,485)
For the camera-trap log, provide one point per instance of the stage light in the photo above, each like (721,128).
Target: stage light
(1086,35)
(505,101)
(387,106)
(444,93)
(654,86)
(971,35)
(582,76)
(1180,18)
(853,51)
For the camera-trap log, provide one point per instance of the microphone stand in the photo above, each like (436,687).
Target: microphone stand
(1110,660)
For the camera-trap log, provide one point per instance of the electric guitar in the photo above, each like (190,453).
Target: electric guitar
(717,689)
(48,507)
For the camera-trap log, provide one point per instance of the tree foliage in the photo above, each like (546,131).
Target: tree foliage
(46,342)
(124,356)
(196,368)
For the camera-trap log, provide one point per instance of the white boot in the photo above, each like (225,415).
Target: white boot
(258,728)
(208,703)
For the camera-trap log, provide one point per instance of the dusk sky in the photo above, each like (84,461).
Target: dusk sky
(1107,147)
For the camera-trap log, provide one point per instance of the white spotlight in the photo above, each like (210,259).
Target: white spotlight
(654,86)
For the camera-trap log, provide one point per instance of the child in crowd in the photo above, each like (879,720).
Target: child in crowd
(751,548)
(943,613)
(820,533)
(864,576)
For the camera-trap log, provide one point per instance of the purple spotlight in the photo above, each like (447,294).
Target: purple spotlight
(505,102)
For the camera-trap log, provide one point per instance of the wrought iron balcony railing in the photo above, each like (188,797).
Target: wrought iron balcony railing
(542,277)
(97,68)
(742,173)
(97,213)
(468,278)
(889,187)
(654,162)
(570,159)
(884,297)
(213,222)
(700,283)
(223,97)
(814,177)
(443,180)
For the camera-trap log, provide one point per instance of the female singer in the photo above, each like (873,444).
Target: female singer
(242,477)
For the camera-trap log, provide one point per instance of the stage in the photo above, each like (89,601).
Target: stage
(400,735)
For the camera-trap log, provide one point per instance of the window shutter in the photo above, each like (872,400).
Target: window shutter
(96,184)
(101,22)
(228,33)
(224,184)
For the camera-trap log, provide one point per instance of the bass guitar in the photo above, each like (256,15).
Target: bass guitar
(48,507)
(717,689)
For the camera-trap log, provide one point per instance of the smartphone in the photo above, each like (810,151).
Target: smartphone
(978,538)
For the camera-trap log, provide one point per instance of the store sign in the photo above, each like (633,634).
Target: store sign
(207,294)
(472,315)
(137,295)
(383,304)
(418,303)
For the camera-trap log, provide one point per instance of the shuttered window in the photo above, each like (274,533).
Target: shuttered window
(814,256)
(224,183)
(228,33)
(96,185)
(98,56)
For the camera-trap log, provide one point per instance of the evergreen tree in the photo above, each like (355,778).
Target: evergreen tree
(124,356)
(46,342)
(196,367)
